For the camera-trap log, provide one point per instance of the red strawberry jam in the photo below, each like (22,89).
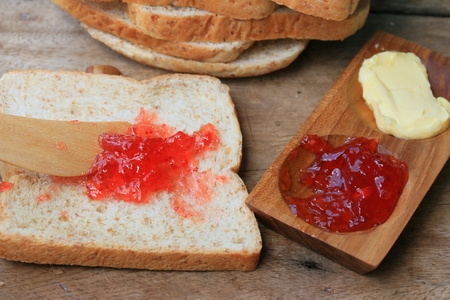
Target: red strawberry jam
(5,186)
(355,187)
(150,159)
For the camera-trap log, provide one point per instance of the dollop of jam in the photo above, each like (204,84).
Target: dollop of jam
(152,158)
(355,187)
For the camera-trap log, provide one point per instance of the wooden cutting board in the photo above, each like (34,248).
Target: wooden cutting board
(343,112)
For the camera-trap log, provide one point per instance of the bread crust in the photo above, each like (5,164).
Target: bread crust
(97,16)
(337,10)
(284,53)
(242,9)
(39,251)
(206,27)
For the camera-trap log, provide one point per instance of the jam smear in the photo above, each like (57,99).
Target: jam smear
(154,158)
(355,187)
(5,186)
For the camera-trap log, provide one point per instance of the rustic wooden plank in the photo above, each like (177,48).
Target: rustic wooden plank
(271,108)
(418,7)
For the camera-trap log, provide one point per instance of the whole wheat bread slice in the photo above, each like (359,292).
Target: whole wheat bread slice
(190,24)
(328,9)
(262,58)
(250,9)
(112,17)
(238,9)
(69,228)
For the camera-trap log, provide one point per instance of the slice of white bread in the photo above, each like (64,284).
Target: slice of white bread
(193,25)
(262,58)
(112,17)
(238,9)
(328,9)
(72,229)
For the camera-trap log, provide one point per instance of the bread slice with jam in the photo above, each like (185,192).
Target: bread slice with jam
(48,220)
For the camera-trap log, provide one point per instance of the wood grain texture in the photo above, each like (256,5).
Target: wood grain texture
(342,114)
(271,108)
(61,148)
(419,7)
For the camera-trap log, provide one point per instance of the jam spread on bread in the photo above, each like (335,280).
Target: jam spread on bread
(5,185)
(355,187)
(154,158)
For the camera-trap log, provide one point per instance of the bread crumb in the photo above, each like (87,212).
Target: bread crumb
(2,283)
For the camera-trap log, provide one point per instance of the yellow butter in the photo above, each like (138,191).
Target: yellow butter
(396,88)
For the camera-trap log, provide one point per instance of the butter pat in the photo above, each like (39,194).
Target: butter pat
(396,88)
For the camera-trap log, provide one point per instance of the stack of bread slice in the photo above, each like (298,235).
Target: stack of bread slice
(223,38)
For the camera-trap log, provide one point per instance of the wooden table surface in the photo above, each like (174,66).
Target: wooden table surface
(35,34)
